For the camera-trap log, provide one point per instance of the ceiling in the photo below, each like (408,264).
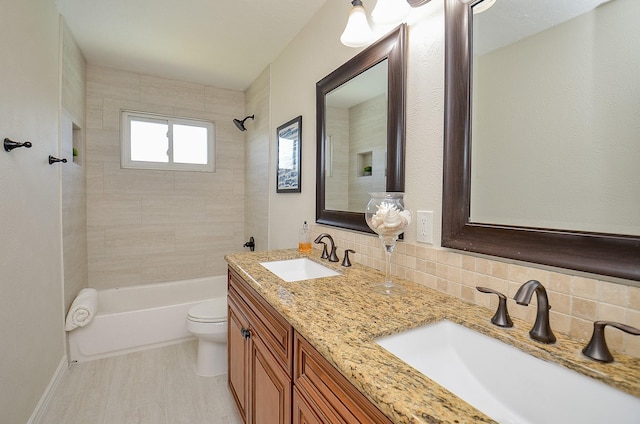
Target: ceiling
(223,43)
(507,22)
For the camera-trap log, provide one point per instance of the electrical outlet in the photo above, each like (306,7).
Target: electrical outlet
(425,227)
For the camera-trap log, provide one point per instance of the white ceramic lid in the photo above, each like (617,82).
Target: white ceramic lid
(210,311)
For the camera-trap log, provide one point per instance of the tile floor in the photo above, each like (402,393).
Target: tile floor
(156,386)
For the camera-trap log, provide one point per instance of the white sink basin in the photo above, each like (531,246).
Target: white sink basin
(505,383)
(298,269)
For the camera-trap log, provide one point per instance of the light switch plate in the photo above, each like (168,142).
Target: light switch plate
(425,227)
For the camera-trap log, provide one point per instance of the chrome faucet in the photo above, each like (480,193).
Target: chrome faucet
(331,256)
(541,330)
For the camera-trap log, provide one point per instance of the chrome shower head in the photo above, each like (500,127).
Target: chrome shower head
(240,124)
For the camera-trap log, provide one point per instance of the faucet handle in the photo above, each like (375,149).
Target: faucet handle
(325,254)
(597,348)
(333,257)
(346,262)
(501,318)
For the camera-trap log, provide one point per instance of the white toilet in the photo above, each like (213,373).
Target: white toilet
(208,322)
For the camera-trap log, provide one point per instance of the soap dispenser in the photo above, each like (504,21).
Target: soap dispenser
(304,240)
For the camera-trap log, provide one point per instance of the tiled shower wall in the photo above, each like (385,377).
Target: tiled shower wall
(155,226)
(257,101)
(74,186)
(576,301)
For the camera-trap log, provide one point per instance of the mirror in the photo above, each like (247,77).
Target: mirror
(557,189)
(360,110)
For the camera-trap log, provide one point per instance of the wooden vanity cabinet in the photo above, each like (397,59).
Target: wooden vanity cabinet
(260,343)
(323,395)
(276,376)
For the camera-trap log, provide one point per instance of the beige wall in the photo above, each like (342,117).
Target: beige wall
(314,53)
(74,183)
(576,299)
(155,226)
(31,316)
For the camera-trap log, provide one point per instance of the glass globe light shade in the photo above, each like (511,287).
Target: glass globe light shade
(390,12)
(357,33)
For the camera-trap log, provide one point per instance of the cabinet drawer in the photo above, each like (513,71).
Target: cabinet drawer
(305,411)
(272,328)
(330,391)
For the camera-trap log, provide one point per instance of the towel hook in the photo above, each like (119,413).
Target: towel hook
(9,144)
(53,160)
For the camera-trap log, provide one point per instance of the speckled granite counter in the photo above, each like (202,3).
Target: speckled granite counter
(341,316)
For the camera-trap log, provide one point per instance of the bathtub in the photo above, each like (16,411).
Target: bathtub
(134,318)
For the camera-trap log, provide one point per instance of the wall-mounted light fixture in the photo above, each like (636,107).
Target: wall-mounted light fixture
(357,33)
(482,6)
(390,12)
(417,3)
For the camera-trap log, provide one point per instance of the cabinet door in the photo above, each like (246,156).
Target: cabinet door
(238,355)
(270,387)
(304,412)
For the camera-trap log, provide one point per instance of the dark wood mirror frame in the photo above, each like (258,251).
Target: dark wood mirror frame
(598,253)
(391,47)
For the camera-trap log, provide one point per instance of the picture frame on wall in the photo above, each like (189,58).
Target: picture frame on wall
(289,156)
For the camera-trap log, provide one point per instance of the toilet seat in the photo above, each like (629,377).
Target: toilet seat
(210,311)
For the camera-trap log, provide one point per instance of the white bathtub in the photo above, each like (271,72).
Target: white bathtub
(141,317)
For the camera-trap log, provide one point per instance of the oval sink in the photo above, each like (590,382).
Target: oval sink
(298,269)
(506,383)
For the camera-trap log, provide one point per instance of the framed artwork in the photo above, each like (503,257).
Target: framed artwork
(288,148)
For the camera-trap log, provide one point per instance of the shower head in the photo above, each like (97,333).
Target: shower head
(240,124)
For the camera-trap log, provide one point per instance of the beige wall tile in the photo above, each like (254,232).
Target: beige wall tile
(94,112)
(560,323)
(221,101)
(103,145)
(560,283)
(169,209)
(614,294)
(167,92)
(584,287)
(139,239)
(136,181)
(113,84)
(634,298)
(560,302)
(173,265)
(584,308)
(109,210)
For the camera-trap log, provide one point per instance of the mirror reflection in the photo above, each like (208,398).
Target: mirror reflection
(356,140)
(556,115)
(474,154)
(360,131)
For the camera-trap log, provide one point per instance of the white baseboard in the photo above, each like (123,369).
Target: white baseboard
(42,405)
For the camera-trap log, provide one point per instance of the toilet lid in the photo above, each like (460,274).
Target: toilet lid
(211,311)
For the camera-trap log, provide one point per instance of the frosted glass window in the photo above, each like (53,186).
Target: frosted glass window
(189,144)
(149,141)
(167,143)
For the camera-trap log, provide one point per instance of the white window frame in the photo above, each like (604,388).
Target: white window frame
(126,116)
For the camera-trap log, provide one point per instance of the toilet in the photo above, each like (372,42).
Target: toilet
(208,322)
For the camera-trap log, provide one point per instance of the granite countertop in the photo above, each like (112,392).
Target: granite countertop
(341,316)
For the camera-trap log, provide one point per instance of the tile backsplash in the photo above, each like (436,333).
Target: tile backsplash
(576,301)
